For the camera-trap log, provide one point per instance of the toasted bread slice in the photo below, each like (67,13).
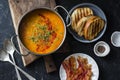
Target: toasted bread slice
(79,13)
(80,25)
(93,26)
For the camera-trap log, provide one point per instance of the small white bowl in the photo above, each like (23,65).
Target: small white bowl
(115,38)
(101,49)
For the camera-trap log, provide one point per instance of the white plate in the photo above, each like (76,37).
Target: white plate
(91,61)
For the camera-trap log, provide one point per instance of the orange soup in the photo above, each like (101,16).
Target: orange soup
(42,31)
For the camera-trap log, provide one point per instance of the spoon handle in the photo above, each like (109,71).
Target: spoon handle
(26,74)
(18,74)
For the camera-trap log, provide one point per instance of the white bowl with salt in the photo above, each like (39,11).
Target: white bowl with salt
(115,38)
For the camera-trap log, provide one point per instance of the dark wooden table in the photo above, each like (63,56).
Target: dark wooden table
(109,66)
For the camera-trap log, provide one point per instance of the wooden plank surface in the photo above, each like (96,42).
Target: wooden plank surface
(20,7)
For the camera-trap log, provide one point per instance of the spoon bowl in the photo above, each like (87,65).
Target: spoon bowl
(4,56)
(8,46)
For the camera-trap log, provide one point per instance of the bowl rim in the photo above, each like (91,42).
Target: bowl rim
(30,11)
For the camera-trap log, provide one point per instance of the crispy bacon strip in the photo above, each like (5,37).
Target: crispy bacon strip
(66,67)
(82,72)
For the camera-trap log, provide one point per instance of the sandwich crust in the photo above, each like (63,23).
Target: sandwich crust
(93,26)
(80,25)
(80,13)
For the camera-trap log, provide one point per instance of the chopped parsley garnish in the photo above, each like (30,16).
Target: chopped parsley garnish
(41,32)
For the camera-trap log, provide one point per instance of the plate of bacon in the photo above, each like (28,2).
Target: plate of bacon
(79,66)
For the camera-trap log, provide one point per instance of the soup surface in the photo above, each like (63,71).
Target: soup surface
(41,31)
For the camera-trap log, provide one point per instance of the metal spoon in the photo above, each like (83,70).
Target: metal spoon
(10,49)
(4,56)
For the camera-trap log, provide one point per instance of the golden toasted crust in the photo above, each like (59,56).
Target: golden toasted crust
(79,13)
(80,25)
(93,26)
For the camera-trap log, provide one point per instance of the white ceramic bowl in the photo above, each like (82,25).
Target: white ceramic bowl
(115,38)
(102,53)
